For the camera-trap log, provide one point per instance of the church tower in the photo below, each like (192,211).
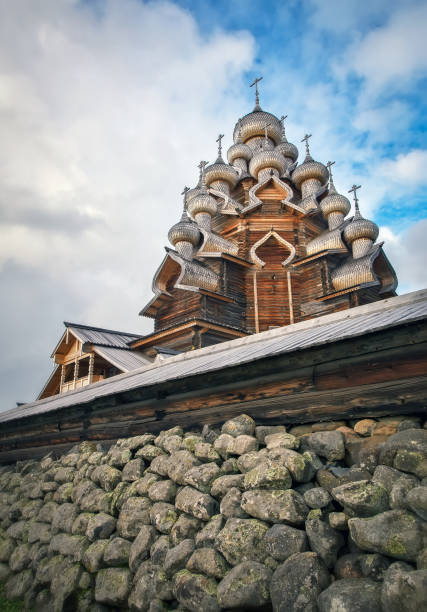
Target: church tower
(262,242)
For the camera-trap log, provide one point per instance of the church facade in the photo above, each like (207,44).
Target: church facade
(263,242)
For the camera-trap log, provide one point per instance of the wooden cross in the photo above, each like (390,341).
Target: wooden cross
(202,165)
(184,193)
(354,189)
(282,121)
(305,139)
(218,140)
(257,80)
(329,166)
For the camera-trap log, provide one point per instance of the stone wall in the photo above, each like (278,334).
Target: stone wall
(329,516)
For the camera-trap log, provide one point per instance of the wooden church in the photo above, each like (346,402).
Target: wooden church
(263,242)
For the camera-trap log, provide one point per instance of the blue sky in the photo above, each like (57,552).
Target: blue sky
(107,106)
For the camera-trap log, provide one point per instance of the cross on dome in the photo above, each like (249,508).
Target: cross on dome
(305,139)
(329,167)
(218,140)
(257,80)
(356,201)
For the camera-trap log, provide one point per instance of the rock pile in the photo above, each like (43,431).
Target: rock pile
(323,517)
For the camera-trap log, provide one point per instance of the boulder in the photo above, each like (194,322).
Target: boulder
(201,477)
(362,498)
(163,516)
(297,583)
(351,595)
(221,485)
(240,425)
(177,557)
(200,505)
(403,590)
(196,592)
(246,586)
(186,526)
(244,444)
(242,540)
(100,526)
(162,491)
(134,513)
(268,475)
(140,548)
(396,533)
(18,584)
(317,497)
(406,451)
(328,444)
(231,504)
(93,557)
(282,541)
(417,501)
(275,506)
(113,586)
(179,464)
(117,552)
(324,540)
(281,440)
(208,561)
(207,535)
(133,470)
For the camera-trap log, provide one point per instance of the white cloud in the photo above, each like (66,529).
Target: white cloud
(407,251)
(407,168)
(393,54)
(103,119)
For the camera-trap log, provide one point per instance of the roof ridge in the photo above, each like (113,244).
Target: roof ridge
(101,329)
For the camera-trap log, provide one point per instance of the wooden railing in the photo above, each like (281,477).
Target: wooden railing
(79,383)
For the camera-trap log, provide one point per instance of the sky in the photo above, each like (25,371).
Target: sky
(107,107)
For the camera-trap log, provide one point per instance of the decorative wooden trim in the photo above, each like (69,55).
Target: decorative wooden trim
(280,240)
(291,305)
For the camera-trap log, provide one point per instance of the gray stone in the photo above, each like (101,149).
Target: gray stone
(249,461)
(268,475)
(72,546)
(231,504)
(397,534)
(351,595)
(417,501)
(275,506)
(221,485)
(242,540)
(64,475)
(406,451)
(134,513)
(206,452)
(362,498)
(137,442)
(20,558)
(64,518)
(386,476)
(186,526)
(133,470)
(402,590)
(172,443)
(296,584)
(201,477)
(224,445)
(113,586)
(282,541)
(282,440)
(117,552)
(324,540)
(7,546)
(179,464)
(93,557)
(118,457)
(81,522)
(317,498)
(148,452)
(150,587)
(47,512)
(143,485)
(200,505)
(245,586)
(159,550)
(244,444)
(196,592)
(5,572)
(164,491)
(163,516)
(100,526)
(177,557)
(108,477)
(207,535)
(64,493)
(208,561)
(266,430)
(18,584)
(374,566)
(338,520)
(328,444)
(140,548)
(399,492)
(301,466)
(240,425)
(63,584)
(160,465)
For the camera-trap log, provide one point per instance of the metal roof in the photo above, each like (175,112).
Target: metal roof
(124,359)
(342,325)
(103,337)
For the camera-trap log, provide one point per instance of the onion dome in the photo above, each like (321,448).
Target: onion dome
(334,201)
(253,124)
(239,150)
(287,149)
(267,158)
(185,230)
(220,171)
(360,233)
(202,202)
(309,169)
